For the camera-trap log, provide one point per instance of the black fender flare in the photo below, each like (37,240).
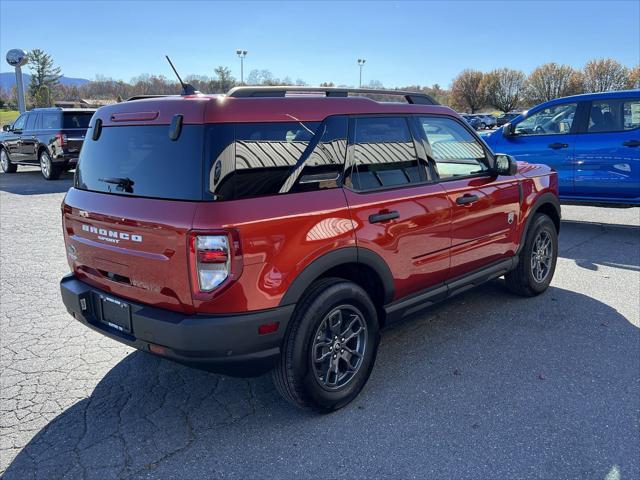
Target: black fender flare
(335,258)
(545,198)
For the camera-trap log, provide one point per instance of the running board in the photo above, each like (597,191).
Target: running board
(421,300)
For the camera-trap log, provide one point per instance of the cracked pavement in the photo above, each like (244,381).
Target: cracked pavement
(487,385)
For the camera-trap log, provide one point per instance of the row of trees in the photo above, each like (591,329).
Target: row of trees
(506,89)
(503,89)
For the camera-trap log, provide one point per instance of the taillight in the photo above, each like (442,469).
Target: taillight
(62,139)
(214,258)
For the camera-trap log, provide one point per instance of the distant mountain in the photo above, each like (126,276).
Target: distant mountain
(8,80)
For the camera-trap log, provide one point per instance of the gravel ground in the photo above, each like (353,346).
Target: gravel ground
(487,385)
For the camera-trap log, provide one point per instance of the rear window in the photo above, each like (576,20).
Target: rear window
(143,161)
(76,119)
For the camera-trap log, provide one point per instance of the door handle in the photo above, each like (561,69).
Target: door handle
(466,199)
(558,145)
(631,143)
(383,216)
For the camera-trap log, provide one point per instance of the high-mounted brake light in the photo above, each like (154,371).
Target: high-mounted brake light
(62,138)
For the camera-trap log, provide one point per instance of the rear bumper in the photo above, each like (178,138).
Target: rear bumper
(227,344)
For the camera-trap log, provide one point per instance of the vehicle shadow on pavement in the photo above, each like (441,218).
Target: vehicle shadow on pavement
(578,244)
(489,385)
(29,181)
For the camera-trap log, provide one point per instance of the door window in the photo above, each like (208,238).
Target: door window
(556,120)
(384,154)
(19,123)
(614,115)
(50,121)
(31,122)
(455,150)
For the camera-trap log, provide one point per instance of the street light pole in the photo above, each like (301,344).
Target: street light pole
(361,62)
(241,54)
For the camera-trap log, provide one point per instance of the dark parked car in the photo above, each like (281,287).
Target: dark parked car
(269,231)
(506,118)
(473,121)
(48,137)
(486,120)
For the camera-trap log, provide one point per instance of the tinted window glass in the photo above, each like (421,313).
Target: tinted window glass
(76,119)
(614,115)
(556,120)
(384,154)
(20,121)
(455,150)
(50,121)
(31,121)
(144,155)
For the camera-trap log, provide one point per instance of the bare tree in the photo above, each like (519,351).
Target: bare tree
(551,81)
(225,80)
(467,92)
(634,77)
(503,88)
(605,75)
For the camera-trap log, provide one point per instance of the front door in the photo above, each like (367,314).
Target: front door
(484,207)
(547,136)
(397,209)
(14,143)
(608,151)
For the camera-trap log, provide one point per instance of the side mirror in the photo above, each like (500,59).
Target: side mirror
(506,165)
(508,130)
(6,128)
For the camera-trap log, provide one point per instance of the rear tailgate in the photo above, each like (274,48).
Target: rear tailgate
(135,248)
(75,138)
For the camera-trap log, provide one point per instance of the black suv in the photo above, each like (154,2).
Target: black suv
(49,137)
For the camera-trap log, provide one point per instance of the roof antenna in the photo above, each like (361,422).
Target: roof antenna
(187,89)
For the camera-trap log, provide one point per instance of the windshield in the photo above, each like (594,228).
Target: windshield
(143,161)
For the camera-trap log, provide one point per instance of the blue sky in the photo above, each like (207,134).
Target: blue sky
(403,42)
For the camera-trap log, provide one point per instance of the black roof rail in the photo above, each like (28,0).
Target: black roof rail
(139,97)
(281,91)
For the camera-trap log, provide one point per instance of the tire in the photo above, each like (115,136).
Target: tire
(527,279)
(483,126)
(5,162)
(49,170)
(316,385)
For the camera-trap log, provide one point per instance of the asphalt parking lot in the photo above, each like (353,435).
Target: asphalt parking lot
(486,386)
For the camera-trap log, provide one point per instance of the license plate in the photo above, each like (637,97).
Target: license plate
(115,313)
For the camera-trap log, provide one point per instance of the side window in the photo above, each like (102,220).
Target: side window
(50,121)
(20,121)
(614,116)
(456,152)
(556,120)
(31,122)
(384,154)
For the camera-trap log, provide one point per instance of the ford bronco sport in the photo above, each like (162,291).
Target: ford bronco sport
(282,228)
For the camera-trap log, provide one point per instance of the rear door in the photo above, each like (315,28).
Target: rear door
(547,136)
(398,211)
(74,126)
(126,219)
(607,151)
(28,148)
(484,207)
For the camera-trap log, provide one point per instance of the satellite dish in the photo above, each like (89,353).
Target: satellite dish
(17,57)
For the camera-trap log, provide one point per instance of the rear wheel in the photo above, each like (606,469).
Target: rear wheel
(330,347)
(538,259)
(5,163)
(483,125)
(49,170)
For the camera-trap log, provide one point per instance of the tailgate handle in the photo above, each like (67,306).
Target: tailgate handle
(134,116)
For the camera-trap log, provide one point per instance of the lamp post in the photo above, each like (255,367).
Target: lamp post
(241,54)
(361,62)
(17,58)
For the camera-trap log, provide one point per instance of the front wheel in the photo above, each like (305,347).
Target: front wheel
(49,170)
(330,346)
(538,259)
(5,163)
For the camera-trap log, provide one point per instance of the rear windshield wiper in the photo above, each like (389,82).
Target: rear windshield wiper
(125,183)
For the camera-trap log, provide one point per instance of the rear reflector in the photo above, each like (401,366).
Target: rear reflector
(267,328)
(157,349)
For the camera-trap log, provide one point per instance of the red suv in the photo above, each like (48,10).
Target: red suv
(282,228)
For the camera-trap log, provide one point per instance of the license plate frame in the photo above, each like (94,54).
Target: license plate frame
(115,313)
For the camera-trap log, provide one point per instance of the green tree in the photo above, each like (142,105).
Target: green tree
(42,98)
(43,73)
(224,80)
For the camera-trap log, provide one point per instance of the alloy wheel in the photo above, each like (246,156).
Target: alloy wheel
(338,347)
(45,164)
(541,256)
(4,160)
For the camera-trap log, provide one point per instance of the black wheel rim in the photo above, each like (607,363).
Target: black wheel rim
(541,256)
(338,347)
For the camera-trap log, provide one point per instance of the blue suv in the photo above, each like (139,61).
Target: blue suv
(592,140)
